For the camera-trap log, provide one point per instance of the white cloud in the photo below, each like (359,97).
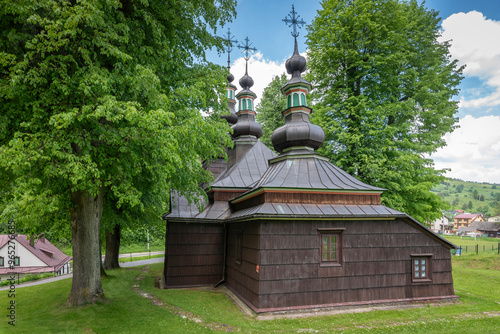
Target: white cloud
(474,43)
(261,70)
(473,150)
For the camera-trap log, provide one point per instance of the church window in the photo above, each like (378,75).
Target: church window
(303,99)
(330,246)
(295,99)
(421,267)
(289,102)
(244,104)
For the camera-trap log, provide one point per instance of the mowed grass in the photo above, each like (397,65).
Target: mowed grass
(471,241)
(477,312)
(41,309)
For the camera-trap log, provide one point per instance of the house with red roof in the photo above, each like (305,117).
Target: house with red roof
(31,256)
(466,219)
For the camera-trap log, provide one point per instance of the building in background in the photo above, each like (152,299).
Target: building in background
(31,256)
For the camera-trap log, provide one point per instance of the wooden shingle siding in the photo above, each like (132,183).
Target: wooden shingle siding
(194,254)
(376,264)
(308,198)
(243,277)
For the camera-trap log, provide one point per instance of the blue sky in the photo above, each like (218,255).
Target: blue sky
(473,26)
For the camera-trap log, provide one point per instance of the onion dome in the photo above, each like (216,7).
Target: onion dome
(232,118)
(297,134)
(246,82)
(246,126)
(296,64)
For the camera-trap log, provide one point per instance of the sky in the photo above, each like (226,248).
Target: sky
(472,152)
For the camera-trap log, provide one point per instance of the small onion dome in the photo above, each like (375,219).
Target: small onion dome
(246,81)
(298,132)
(232,118)
(296,64)
(230,77)
(246,126)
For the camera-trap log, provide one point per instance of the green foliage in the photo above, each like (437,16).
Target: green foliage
(383,89)
(486,200)
(269,109)
(28,278)
(107,95)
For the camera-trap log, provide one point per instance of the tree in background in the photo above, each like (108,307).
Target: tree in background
(384,85)
(101,97)
(269,109)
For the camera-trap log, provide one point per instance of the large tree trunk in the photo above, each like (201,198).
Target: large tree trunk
(112,248)
(85,221)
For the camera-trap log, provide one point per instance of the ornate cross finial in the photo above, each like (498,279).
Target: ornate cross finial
(247,49)
(292,20)
(230,40)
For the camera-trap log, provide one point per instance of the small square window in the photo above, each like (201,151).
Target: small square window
(421,268)
(330,246)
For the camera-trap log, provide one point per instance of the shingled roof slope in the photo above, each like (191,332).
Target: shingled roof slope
(314,172)
(248,169)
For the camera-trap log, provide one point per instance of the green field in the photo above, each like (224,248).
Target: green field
(459,193)
(41,308)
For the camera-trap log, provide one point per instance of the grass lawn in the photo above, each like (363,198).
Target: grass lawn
(489,245)
(41,308)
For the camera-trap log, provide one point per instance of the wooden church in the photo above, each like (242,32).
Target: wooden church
(292,231)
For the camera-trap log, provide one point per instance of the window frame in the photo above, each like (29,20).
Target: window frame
(428,268)
(331,232)
(18,261)
(2,261)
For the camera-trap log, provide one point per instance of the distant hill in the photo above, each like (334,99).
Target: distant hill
(470,196)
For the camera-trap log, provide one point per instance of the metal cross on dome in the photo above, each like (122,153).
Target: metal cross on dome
(294,21)
(230,40)
(247,49)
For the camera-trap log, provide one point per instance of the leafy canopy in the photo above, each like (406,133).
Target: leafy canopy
(269,109)
(107,95)
(384,88)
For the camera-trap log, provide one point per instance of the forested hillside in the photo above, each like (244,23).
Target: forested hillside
(470,196)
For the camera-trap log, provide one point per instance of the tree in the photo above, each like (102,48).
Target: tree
(383,93)
(102,97)
(269,109)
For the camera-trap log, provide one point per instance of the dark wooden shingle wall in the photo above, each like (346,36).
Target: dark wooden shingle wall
(194,254)
(375,264)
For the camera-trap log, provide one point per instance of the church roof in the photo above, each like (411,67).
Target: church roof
(317,211)
(248,169)
(314,172)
